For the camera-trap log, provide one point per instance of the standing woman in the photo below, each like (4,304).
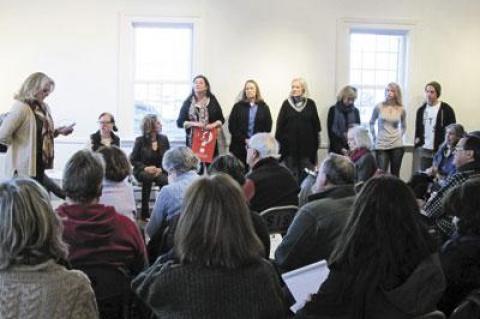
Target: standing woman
(200,109)
(342,116)
(146,158)
(28,130)
(390,116)
(249,116)
(105,136)
(298,129)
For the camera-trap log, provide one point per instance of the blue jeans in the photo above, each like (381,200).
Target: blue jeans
(390,158)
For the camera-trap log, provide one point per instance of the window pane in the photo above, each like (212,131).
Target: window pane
(163,72)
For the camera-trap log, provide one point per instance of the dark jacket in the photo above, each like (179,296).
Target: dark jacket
(417,295)
(460,259)
(195,291)
(214,114)
(143,155)
(314,232)
(365,165)
(445,117)
(350,115)
(273,184)
(238,126)
(98,235)
(298,132)
(96,140)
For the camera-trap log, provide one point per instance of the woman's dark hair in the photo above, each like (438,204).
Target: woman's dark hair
(117,165)
(229,165)
(112,119)
(215,228)
(463,201)
(83,175)
(383,240)
(208,93)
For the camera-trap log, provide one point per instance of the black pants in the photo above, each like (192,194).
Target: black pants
(147,182)
(393,158)
(48,183)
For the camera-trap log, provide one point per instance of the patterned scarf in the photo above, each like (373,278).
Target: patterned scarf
(48,132)
(198,112)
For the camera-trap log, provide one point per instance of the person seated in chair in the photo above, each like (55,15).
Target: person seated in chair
(268,184)
(460,255)
(96,234)
(146,158)
(35,281)
(318,224)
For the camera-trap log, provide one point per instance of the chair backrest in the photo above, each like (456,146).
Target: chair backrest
(114,296)
(279,218)
(469,308)
(432,315)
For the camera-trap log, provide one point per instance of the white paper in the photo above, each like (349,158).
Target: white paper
(305,281)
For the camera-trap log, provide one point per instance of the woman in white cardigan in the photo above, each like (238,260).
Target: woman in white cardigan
(28,132)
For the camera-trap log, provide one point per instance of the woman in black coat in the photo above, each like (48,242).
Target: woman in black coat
(105,136)
(249,116)
(298,130)
(200,109)
(342,116)
(146,158)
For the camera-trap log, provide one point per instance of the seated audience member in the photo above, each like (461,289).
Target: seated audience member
(443,165)
(268,184)
(231,165)
(116,189)
(96,234)
(460,256)
(314,232)
(467,163)
(105,136)
(147,157)
(219,271)
(360,146)
(182,165)
(384,264)
(34,282)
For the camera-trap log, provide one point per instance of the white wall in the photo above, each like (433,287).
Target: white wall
(77,44)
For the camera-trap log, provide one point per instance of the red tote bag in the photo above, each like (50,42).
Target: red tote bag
(203,143)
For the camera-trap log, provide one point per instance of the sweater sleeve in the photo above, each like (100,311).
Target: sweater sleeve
(85,305)
(373,119)
(268,119)
(183,115)
(136,156)
(14,119)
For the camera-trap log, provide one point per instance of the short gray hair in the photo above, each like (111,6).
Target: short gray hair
(180,159)
(457,129)
(338,169)
(304,86)
(361,136)
(30,231)
(83,175)
(265,145)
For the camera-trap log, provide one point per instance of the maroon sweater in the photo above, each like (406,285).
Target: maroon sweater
(98,235)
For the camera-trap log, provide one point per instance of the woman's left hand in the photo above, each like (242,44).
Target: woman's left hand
(211,126)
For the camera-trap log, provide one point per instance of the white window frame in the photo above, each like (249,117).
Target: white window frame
(126,68)
(344,28)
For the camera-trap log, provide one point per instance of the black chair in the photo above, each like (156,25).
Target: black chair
(469,308)
(114,296)
(279,218)
(432,315)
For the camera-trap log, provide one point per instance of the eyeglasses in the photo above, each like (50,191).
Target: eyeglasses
(104,122)
(459,148)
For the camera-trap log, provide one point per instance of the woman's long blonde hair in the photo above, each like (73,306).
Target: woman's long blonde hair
(32,85)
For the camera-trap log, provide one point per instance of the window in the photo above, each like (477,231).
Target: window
(162,73)
(157,59)
(376,58)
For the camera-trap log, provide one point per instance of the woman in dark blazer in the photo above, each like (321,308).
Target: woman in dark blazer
(249,116)
(200,109)
(298,130)
(147,158)
(105,136)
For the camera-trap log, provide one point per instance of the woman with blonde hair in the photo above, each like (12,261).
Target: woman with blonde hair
(249,116)
(146,158)
(218,270)
(28,130)
(34,279)
(342,116)
(298,130)
(390,117)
